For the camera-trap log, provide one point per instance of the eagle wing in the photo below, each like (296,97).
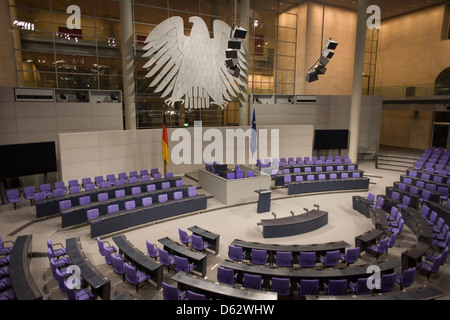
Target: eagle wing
(163,46)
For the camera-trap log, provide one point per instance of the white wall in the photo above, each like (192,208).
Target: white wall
(329,112)
(89,154)
(27,122)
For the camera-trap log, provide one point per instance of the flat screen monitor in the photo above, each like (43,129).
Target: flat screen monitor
(18,160)
(330,139)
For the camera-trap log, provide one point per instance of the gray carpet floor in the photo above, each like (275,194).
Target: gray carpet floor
(237,222)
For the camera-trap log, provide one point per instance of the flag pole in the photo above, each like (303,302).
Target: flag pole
(164,125)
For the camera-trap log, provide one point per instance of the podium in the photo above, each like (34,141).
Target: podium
(263,200)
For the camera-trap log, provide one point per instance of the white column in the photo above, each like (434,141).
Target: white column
(243,98)
(358,79)
(129,91)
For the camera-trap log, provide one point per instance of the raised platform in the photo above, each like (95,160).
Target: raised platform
(235,191)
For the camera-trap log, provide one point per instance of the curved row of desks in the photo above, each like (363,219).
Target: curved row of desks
(295,224)
(50,205)
(19,270)
(279,178)
(351,273)
(304,187)
(143,262)
(77,214)
(130,218)
(215,290)
(99,284)
(420,293)
(272,249)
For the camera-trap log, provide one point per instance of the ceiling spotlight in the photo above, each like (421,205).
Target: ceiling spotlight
(231,54)
(312,76)
(320,69)
(323,61)
(234,71)
(331,44)
(239,33)
(230,63)
(327,53)
(232,44)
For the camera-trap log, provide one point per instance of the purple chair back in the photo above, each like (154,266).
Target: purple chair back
(120,193)
(177,195)
(162,198)
(84,200)
(165,185)
(147,201)
(102,196)
(179,183)
(135,190)
(151,187)
(130,205)
(192,191)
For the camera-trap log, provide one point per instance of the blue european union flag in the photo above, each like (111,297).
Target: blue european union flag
(253,137)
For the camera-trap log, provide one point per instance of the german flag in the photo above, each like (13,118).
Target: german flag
(165,141)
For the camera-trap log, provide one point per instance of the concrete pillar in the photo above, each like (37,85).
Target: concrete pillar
(129,91)
(355,113)
(243,97)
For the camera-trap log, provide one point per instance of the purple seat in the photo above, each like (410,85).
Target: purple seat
(177,195)
(388,282)
(165,185)
(74,189)
(281,286)
(92,213)
(84,200)
(144,172)
(89,187)
(231,175)
(283,258)
(152,250)
(85,181)
(172,292)
(259,256)
(39,196)
(330,259)
(46,189)
(406,278)
(130,205)
(336,287)
(102,248)
(135,190)
(162,198)
(98,180)
(120,193)
(151,187)
(195,296)
(147,201)
(60,185)
(351,256)
(226,276)
(309,287)
(82,294)
(307,259)
(64,205)
(118,263)
(239,174)
(102,197)
(235,253)
(198,243)
(113,208)
(310,177)
(165,258)
(58,192)
(179,183)
(192,191)
(28,193)
(359,287)
(57,253)
(287,179)
(380,247)
(133,276)
(252,281)
(185,238)
(157,176)
(182,264)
